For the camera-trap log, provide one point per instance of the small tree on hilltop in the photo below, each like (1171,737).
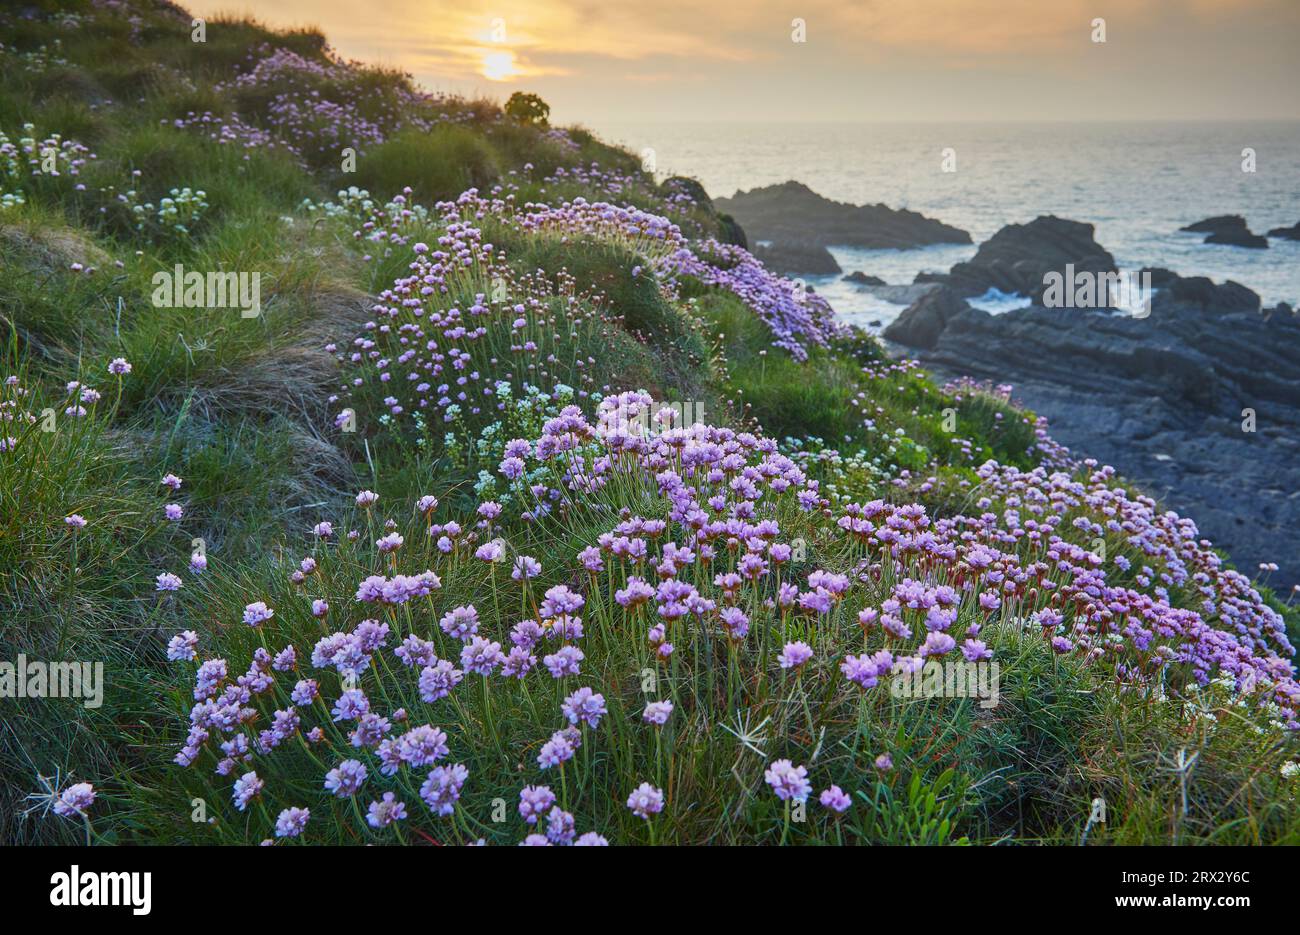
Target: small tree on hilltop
(528,108)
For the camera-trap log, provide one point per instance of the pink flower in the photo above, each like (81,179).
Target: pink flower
(645,801)
(257,613)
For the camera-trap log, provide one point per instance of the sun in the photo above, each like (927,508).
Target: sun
(499,66)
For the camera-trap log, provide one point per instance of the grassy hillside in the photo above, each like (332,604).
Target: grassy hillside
(411,544)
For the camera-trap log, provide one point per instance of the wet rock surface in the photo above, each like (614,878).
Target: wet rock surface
(859,278)
(1019,257)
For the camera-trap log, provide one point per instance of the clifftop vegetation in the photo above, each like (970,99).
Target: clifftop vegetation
(421,472)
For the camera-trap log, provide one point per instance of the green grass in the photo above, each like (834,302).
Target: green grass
(437,166)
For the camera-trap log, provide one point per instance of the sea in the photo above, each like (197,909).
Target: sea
(1137,182)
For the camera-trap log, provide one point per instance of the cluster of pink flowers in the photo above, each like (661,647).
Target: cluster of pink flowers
(946,578)
(798,317)
(442,363)
(435,364)
(320,107)
(711,557)
(232,131)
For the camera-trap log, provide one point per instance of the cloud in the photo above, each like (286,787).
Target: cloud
(690,53)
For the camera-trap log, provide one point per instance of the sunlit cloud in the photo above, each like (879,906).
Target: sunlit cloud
(499,66)
(864,59)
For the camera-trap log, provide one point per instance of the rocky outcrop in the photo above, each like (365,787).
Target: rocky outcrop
(1239,239)
(1229,229)
(1019,256)
(790,259)
(792,213)
(859,278)
(731,232)
(1161,278)
(1199,402)
(1220,222)
(1217,299)
(922,322)
(1286,233)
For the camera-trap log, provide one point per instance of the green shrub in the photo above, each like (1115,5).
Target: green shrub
(437,166)
(527,108)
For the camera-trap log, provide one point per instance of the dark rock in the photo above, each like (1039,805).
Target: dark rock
(1239,239)
(792,211)
(922,322)
(1203,293)
(1161,398)
(1161,278)
(731,231)
(1229,229)
(928,276)
(1286,233)
(794,259)
(859,278)
(1019,256)
(1221,224)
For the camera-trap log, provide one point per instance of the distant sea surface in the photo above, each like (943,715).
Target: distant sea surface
(1136,182)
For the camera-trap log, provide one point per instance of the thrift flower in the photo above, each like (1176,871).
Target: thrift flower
(566,660)
(789,782)
(75,800)
(794,655)
(535,801)
(383,813)
(257,613)
(291,822)
(168,582)
(441,790)
(181,646)
(835,799)
(558,750)
(657,712)
(526,567)
(346,779)
(645,801)
(247,787)
(584,706)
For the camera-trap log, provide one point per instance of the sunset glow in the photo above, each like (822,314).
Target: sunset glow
(499,66)
(886,60)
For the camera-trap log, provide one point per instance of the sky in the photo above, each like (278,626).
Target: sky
(830,60)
